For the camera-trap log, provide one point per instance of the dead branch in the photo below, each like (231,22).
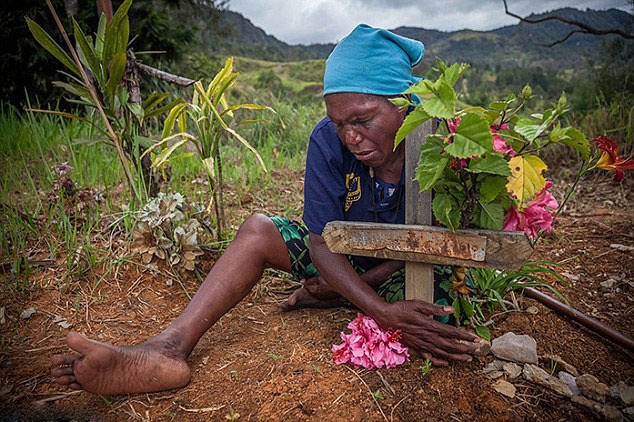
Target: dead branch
(583,28)
(168,77)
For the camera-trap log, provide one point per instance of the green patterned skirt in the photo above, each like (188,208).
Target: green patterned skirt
(295,236)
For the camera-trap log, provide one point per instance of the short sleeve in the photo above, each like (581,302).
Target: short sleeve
(324,181)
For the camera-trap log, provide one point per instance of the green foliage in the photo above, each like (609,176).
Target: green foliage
(425,368)
(201,124)
(482,160)
(105,60)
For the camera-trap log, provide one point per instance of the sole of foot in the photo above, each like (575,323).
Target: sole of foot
(106,369)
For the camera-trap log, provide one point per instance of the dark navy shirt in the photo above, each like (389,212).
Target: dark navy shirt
(337,186)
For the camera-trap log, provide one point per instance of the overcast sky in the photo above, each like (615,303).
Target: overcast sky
(323,21)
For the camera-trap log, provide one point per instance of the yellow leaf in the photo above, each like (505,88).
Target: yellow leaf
(526,178)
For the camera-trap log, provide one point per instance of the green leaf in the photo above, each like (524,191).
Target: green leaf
(467,307)
(472,137)
(164,155)
(443,102)
(420,88)
(414,119)
(401,102)
(117,69)
(446,211)
(163,109)
(101,34)
(527,128)
(171,119)
(137,110)
(453,72)
(456,308)
(431,163)
(89,53)
(153,100)
(491,188)
(483,332)
(51,46)
(491,163)
(488,215)
(115,30)
(578,141)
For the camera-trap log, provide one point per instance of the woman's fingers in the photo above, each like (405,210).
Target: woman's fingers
(433,360)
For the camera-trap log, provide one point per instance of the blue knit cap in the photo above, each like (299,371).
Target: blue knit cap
(372,61)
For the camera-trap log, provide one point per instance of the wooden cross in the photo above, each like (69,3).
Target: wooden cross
(420,244)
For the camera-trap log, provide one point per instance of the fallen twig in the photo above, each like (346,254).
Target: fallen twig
(202,409)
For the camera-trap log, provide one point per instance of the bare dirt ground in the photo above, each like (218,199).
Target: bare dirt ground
(259,364)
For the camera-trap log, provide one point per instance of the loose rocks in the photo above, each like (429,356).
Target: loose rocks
(537,375)
(592,387)
(512,370)
(570,381)
(505,388)
(558,363)
(515,348)
(623,392)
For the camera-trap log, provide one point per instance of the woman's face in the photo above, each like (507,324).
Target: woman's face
(366,124)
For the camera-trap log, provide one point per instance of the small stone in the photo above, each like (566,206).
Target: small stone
(505,388)
(558,363)
(611,413)
(623,392)
(64,324)
(537,375)
(515,348)
(608,284)
(584,401)
(249,305)
(569,379)
(205,360)
(629,412)
(622,248)
(26,314)
(533,310)
(494,375)
(570,276)
(512,370)
(496,365)
(592,387)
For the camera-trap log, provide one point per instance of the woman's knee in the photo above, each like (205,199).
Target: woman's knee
(257,226)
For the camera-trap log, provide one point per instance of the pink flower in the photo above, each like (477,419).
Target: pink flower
(535,216)
(499,143)
(369,346)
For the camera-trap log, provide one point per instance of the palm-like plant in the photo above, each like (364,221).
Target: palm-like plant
(202,123)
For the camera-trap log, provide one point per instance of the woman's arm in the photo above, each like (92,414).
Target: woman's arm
(434,340)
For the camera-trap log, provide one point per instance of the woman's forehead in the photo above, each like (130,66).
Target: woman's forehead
(343,105)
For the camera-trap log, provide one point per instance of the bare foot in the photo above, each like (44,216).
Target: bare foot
(301,298)
(105,369)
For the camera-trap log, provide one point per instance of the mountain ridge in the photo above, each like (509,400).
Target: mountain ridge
(510,45)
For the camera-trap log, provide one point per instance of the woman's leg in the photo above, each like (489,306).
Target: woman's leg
(159,363)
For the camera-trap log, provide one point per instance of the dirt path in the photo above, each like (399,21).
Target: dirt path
(266,365)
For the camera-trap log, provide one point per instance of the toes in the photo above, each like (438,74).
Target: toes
(75,386)
(61,371)
(79,343)
(58,360)
(66,380)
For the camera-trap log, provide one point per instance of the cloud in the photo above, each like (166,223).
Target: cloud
(322,21)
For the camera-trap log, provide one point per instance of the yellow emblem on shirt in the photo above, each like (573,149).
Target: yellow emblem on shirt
(353,185)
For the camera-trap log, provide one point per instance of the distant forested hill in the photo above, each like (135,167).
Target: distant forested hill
(515,45)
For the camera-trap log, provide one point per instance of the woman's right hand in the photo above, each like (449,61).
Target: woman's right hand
(432,339)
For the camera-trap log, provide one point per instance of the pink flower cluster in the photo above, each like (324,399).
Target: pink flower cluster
(369,346)
(499,143)
(535,216)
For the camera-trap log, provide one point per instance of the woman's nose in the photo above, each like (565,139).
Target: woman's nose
(351,136)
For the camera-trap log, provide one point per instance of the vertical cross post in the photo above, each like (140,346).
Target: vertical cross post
(419,277)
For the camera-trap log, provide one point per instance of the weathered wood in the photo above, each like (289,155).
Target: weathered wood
(429,244)
(167,77)
(419,277)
